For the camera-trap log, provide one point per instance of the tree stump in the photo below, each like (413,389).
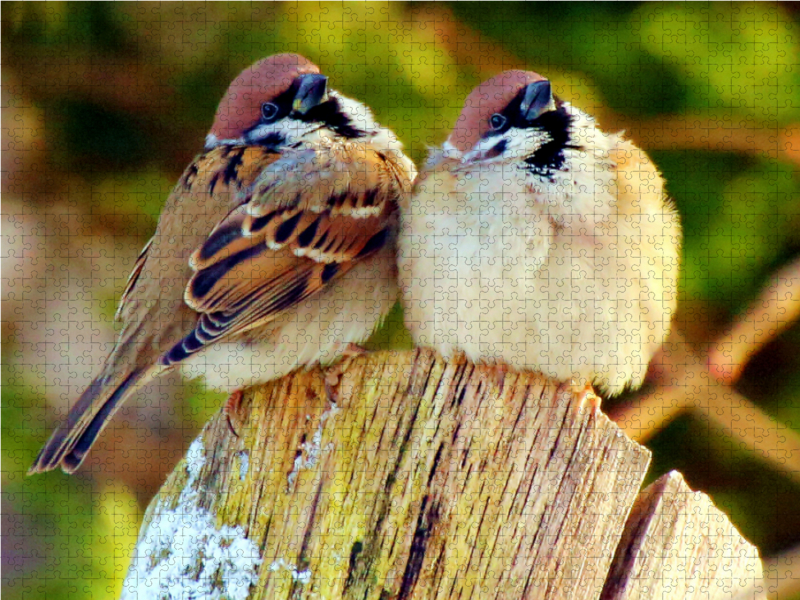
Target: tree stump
(427,479)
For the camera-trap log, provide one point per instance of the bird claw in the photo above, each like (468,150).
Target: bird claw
(332,378)
(587,396)
(334,373)
(231,410)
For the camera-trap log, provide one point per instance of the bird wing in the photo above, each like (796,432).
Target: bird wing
(152,310)
(207,191)
(132,279)
(308,219)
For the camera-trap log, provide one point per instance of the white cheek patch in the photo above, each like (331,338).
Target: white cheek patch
(288,129)
(360,116)
(515,144)
(213,141)
(523,142)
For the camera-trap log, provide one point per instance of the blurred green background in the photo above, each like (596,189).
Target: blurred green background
(104,104)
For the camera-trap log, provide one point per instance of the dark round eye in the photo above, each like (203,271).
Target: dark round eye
(269,111)
(496,121)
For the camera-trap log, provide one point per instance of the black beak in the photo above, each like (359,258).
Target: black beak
(538,99)
(313,91)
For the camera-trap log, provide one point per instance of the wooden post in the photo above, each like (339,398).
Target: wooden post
(678,544)
(427,479)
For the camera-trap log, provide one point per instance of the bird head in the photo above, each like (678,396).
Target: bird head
(284,100)
(515,117)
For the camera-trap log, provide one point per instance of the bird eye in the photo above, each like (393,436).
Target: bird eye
(496,121)
(269,111)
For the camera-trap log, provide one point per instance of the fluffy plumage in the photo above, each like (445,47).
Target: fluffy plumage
(535,239)
(274,251)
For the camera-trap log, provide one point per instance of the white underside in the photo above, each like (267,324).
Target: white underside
(316,331)
(493,275)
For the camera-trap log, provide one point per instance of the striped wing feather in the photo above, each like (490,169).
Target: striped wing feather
(309,218)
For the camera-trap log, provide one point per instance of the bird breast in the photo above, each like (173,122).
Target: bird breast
(502,278)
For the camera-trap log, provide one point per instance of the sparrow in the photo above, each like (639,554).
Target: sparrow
(534,240)
(274,251)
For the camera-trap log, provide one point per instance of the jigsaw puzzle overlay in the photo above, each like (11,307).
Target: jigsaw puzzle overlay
(107,109)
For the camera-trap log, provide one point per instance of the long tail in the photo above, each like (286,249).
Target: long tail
(70,442)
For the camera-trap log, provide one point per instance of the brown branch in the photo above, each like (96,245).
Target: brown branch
(714,133)
(685,384)
(777,307)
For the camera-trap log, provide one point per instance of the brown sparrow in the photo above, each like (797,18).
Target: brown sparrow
(534,239)
(275,250)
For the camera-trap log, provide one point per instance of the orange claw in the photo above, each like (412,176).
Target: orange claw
(588,396)
(334,373)
(231,410)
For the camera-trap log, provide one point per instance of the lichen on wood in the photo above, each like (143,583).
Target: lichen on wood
(427,479)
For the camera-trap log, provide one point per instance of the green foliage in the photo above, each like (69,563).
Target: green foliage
(730,56)
(128,90)
(75,534)
(739,214)
(95,137)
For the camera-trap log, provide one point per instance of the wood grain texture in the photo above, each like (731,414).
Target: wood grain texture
(677,544)
(429,479)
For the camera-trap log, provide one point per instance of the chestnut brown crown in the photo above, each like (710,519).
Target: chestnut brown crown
(262,82)
(490,97)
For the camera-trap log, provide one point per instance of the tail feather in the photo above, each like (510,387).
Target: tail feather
(70,442)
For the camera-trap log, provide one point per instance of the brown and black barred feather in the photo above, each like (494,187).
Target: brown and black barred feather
(154,292)
(281,228)
(307,220)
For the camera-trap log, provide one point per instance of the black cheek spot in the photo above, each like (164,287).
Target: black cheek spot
(497,149)
(273,140)
(286,229)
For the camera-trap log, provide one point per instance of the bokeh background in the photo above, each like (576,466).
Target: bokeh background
(104,104)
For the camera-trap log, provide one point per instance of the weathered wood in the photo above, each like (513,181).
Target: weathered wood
(677,544)
(428,479)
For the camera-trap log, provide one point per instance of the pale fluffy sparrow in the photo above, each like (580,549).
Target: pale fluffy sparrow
(536,240)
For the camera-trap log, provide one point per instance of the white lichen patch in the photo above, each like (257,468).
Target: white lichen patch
(244,464)
(310,451)
(195,460)
(183,555)
(302,577)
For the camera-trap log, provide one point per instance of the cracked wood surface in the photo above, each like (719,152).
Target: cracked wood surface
(428,479)
(678,544)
